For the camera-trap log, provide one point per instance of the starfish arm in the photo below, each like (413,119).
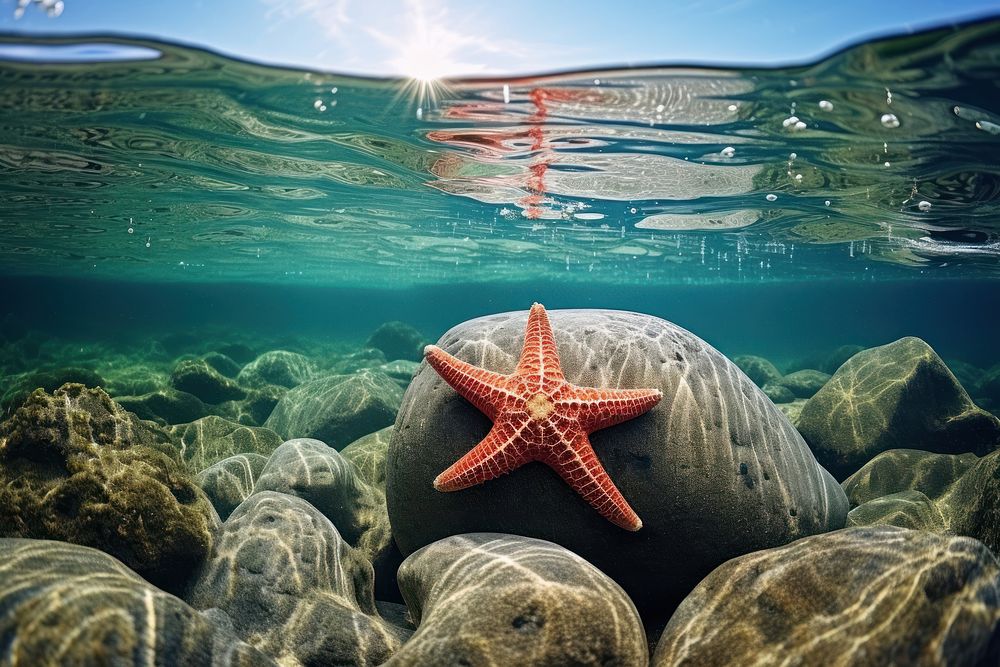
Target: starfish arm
(601,408)
(539,357)
(496,455)
(484,389)
(579,467)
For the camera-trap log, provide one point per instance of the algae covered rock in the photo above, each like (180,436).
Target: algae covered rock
(400,370)
(18,388)
(337,409)
(398,340)
(900,470)
(197,377)
(165,406)
(353,362)
(778,393)
(368,455)
(714,470)
(222,364)
(758,369)
(210,439)
(864,596)
(63,604)
(899,395)
(833,361)
(292,587)
(230,481)
(76,467)
(804,383)
(279,367)
(490,599)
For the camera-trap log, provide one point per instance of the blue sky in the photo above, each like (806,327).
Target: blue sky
(430,38)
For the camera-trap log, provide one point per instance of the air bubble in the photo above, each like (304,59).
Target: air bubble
(889,120)
(790,121)
(886,164)
(924,205)
(728,151)
(826,105)
(632,210)
(732,107)
(317,104)
(798,177)
(826,203)
(771,197)
(800,125)
(792,156)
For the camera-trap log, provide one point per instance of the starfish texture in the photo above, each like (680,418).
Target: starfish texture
(538,416)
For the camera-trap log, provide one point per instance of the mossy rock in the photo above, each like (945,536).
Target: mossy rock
(368,455)
(792,410)
(208,440)
(260,402)
(401,371)
(135,380)
(238,352)
(20,387)
(230,481)
(833,361)
(899,395)
(277,367)
(804,383)
(166,406)
(758,369)
(778,393)
(353,362)
(398,340)
(223,364)
(197,377)
(76,467)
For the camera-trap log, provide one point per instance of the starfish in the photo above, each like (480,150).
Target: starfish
(538,416)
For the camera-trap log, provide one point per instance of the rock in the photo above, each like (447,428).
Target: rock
(20,387)
(906,509)
(778,393)
(714,470)
(62,604)
(133,380)
(838,357)
(889,397)
(490,599)
(869,596)
(356,361)
(977,493)
(758,369)
(969,376)
(398,340)
(76,467)
(238,352)
(260,402)
(166,406)
(368,456)
(223,364)
(792,410)
(280,367)
(292,587)
(208,440)
(804,383)
(230,481)
(896,470)
(401,371)
(196,377)
(337,408)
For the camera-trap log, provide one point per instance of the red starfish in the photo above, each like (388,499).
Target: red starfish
(538,416)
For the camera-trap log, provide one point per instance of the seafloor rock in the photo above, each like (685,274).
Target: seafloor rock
(230,481)
(222,364)
(311,470)
(951,494)
(165,406)
(398,340)
(714,470)
(861,596)
(260,402)
(18,388)
(893,396)
(76,467)
(804,383)
(196,377)
(400,370)
(293,588)
(63,604)
(210,439)
(337,409)
(134,380)
(353,362)
(833,361)
(368,455)
(491,599)
(758,369)
(792,410)
(778,393)
(280,367)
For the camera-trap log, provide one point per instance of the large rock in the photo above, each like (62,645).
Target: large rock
(804,383)
(293,588)
(165,406)
(489,599)
(208,440)
(18,388)
(714,470)
(62,604)
(758,369)
(230,481)
(398,340)
(862,596)
(76,467)
(337,409)
(197,377)
(368,454)
(950,494)
(899,395)
(279,367)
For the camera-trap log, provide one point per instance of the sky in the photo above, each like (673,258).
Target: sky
(428,39)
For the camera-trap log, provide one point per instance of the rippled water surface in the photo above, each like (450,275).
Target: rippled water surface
(878,162)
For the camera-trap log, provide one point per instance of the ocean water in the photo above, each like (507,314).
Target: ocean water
(161,203)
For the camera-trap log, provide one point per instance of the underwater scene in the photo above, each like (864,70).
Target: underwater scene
(645,366)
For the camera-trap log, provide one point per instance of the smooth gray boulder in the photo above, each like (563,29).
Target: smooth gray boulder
(337,409)
(230,481)
(292,587)
(758,369)
(714,470)
(491,599)
(64,604)
(899,395)
(861,596)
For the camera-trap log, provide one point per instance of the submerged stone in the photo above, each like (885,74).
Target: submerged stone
(490,599)
(197,377)
(210,439)
(230,481)
(758,369)
(869,596)
(165,406)
(368,455)
(804,383)
(398,340)
(714,470)
(20,387)
(278,367)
